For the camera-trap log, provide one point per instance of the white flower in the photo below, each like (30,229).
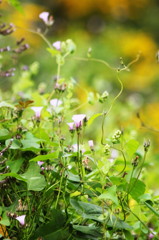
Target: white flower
(90,143)
(37,111)
(55,102)
(57,45)
(21,219)
(78,119)
(45,17)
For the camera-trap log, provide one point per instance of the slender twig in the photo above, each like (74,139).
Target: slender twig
(110,108)
(37,33)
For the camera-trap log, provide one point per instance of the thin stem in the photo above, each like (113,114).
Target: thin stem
(94,60)
(60,187)
(122,152)
(58,76)
(149,230)
(78,156)
(39,34)
(110,108)
(128,188)
(142,164)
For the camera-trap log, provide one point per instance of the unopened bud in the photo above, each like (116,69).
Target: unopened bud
(146,145)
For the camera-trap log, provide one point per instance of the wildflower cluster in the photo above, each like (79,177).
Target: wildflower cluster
(116,137)
(56,183)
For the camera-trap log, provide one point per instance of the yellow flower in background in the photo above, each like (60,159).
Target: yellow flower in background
(75,9)
(27,20)
(133,42)
(150,115)
(145,71)
(115,8)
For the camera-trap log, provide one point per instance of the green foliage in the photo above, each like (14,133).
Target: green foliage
(110,193)
(16,4)
(57,183)
(35,181)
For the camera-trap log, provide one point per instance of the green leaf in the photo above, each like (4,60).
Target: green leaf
(15,175)
(152,209)
(7,105)
(45,157)
(52,228)
(5,220)
(72,177)
(60,234)
(90,230)
(4,134)
(15,165)
(137,188)
(0,211)
(131,147)
(53,52)
(16,144)
(35,181)
(117,223)
(31,142)
(93,118)
(87,210)
(110,193)
(128,235)
(16,4)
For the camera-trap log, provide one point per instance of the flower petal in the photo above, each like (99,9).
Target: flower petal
(21,219)
(78,118)
(44,16)
(71,125)
(57,45)
(55,102)
(37,111)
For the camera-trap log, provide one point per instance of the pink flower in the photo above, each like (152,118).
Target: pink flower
(78,120)
(45,17)
(75,148)
(40,163)
(57,45)
(91,144)
(21,219)
(37,111)
(113,155)
(55,102)
(71,126)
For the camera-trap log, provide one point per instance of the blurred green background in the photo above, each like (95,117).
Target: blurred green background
(113,29)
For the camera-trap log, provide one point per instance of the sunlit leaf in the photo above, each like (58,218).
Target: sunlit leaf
(131,147)
(110,193)
(93,118)
(137,188)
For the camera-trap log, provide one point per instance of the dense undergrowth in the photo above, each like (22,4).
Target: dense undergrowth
(56,181)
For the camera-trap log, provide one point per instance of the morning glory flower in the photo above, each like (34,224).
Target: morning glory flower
(40,163)
(48,20)
(71,126)
(37,111)
(55,102)
(21,219)
(57,45)
(91,144)
(78,120)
